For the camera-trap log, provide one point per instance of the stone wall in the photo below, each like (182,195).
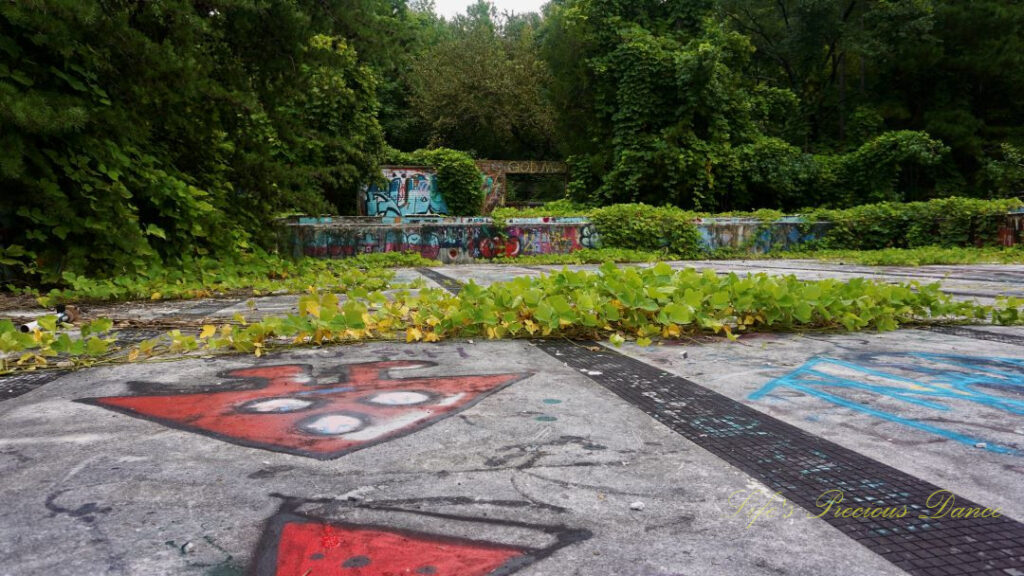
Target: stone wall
(466,239)
(448,240)
(756,236)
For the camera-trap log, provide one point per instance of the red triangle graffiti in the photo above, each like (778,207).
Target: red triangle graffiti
(309,547)
(288,410)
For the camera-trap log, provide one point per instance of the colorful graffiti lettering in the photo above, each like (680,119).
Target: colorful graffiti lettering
(589,238)
(285,409)
(887,385)
(497,247)
(296,544)
(757,236)
(455,241)
(411,192)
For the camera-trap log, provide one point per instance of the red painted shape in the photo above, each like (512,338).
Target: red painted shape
(375,552)
(291,412)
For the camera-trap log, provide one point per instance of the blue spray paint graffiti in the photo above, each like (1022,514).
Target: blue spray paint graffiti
(410,191)
(923,380)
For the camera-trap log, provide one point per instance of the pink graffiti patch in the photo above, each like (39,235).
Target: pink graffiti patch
(286,409)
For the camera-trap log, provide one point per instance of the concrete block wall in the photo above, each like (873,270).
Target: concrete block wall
(466,239)
(757,237)
(449,240)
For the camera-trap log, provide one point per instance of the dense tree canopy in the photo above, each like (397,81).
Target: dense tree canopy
(132,132)
(743,104)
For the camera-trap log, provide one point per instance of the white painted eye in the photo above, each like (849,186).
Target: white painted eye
(275,405)
(332,424)
(398,398)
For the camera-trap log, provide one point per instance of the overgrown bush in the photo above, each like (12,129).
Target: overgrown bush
(559,208)
(941,222)
(141,134)
(643,227)
(458,179)
(946,222)
(1004,176)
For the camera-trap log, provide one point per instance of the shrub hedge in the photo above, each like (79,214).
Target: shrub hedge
(947,222)
(944,222)
(458,178)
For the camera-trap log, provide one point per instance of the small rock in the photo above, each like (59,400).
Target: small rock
(638,506)
(187,548)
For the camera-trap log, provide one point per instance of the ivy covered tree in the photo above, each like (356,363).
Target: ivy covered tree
(481,87)
(133,132)
(663,104)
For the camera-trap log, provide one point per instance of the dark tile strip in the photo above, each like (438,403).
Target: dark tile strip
(204,308)
(447,282)
(18,384)
(801,466)
(977,334)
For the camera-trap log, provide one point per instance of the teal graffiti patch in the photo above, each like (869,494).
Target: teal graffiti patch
(936,387)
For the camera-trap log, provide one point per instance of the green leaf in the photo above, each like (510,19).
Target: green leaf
(95,347)
(48,323)
(154,230)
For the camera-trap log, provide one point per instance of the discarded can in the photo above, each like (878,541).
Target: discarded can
(65,315)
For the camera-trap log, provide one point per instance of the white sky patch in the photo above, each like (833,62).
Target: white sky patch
(449,8)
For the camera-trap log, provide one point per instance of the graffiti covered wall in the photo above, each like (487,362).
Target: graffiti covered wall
(495,171)
(451,240)
(1011,232)
(409,191)
(756,236)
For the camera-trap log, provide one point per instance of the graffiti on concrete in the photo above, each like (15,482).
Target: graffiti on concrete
(495,180)
(925,391)
(493,191)
(410,191)
(296,544)
(1011,231)
(286,409)
(757,236)
(446,241)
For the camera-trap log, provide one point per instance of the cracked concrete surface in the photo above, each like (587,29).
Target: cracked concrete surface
(550,463)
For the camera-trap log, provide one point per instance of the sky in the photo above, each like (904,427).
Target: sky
(449,8)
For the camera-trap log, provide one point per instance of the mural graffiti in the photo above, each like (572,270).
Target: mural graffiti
(449,241)
(297,544)
(286,409)
(1011,231)
(493,190)
(410,191)
(889,386)
(759,237)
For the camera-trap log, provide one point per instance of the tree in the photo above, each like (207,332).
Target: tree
(138,131)
(481,88)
